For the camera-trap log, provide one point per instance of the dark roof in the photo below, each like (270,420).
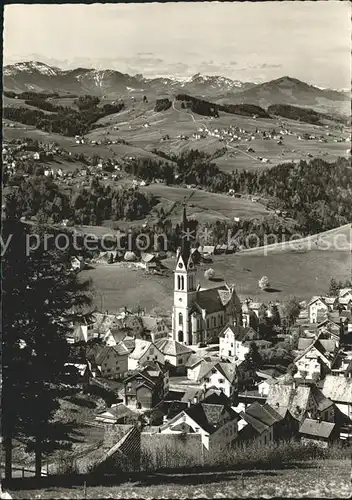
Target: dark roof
(316,428)
(209,300)
(208,416)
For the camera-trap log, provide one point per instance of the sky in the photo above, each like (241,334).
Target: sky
(308,40)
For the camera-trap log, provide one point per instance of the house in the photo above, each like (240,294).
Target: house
(215,374)
(257,424)
(199,314)
(77,264)
(148,260)
(318,432)
(317,359)
(114,336)
(345,293)
(155,326)
(174,353)
(231,341)
(113,361)
(145,388)
(298,400)
(345,322)
(143,352)
(117,414)
(216,424)
(83,330)
(251,312)
(206,249)
(316,304)
(339,390)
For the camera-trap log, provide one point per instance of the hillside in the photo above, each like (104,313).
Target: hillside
(287,90)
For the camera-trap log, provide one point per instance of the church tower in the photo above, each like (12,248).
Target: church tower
(184,287)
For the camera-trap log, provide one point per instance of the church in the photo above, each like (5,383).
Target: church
(199,314)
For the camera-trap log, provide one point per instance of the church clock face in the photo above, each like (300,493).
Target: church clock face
(180,265)
(190,265)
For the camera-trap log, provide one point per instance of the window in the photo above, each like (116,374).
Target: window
(264,439)
(178,282)
(207,322)
(180,361)
(152,350)
(207,379)
(180,336)
(182,283)
(180,319)
(231,344)
(221,380)
(230,353)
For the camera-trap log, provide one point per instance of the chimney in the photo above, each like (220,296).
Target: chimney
(188,403)
(164,419)
(195,400)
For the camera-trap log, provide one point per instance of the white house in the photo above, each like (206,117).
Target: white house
(316,304)
(345,292)
(175,353)
(143,352)
(215,374)
(317,359)
(232,339)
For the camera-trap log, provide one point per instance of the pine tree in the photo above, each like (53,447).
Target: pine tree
(40,299)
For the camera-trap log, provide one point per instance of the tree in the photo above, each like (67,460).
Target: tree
(334,288)
(275,315)
(291,309)
(292,369)
(209,273)
(253,357)
(264,283)
(40,298)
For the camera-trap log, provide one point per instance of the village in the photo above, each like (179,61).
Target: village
(218,371)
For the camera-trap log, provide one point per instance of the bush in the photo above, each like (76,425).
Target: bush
(264,283)
(209,273)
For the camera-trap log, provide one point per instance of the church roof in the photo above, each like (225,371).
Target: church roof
(213,299)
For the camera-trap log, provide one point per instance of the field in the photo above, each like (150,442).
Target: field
(143,129)
(204,205)
(299,274)
(322,479)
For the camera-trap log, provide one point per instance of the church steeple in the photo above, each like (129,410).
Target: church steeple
(186,235)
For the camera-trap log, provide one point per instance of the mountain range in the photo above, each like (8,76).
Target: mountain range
(39,77)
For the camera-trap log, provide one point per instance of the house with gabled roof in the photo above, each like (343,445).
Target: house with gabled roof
(345,292)
(318,432)
(155,326)
(217,374)
(216,424)
(232,341)
(145,388)
(144,351)
(257,424)
(317,359)
(315,305)
(339,390)
(112,361)
(174,353)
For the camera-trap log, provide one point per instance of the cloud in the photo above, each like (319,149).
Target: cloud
(267,66)
(233,63)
